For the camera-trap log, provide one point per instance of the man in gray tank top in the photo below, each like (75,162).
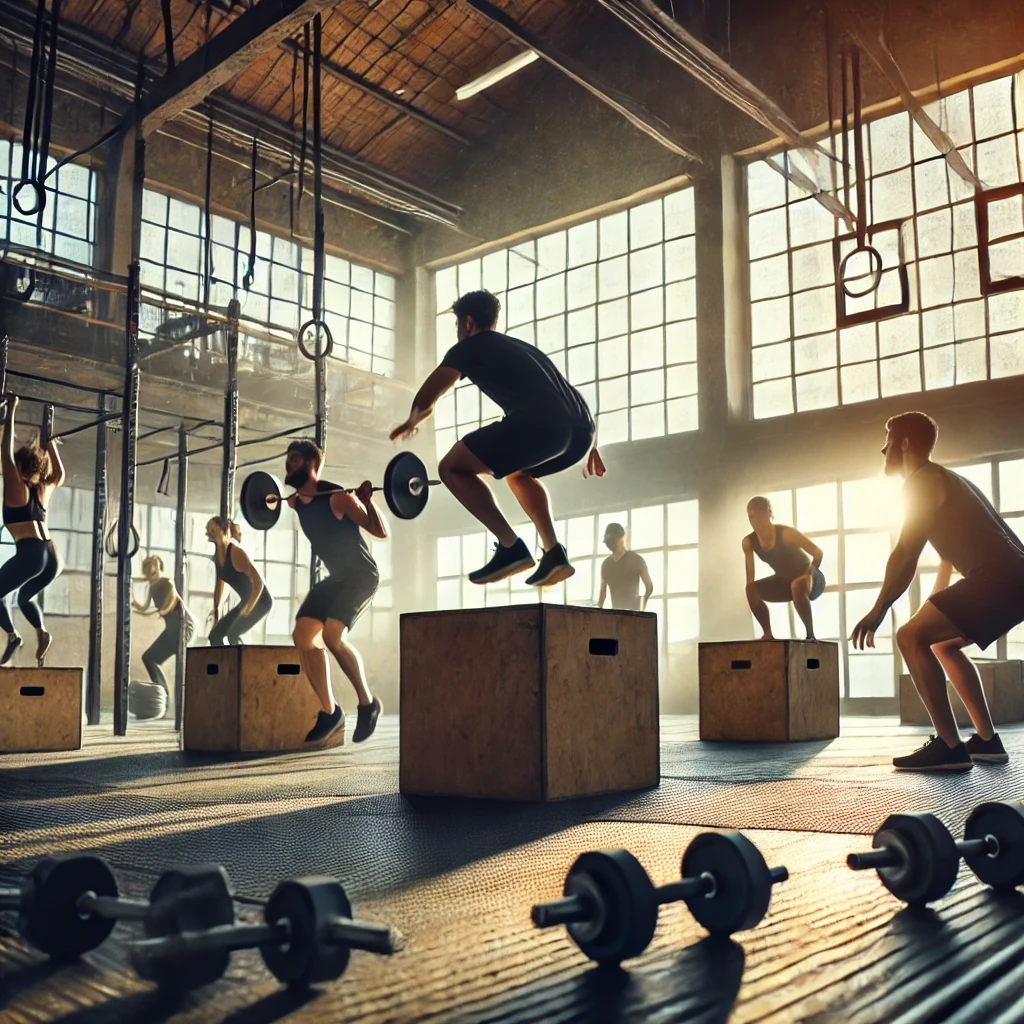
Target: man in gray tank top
(333,523)
(959,522)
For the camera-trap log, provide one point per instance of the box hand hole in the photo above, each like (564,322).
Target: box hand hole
(288,670)
(813,663)
(604,646)
(212,668)
(33,691)
(741,664)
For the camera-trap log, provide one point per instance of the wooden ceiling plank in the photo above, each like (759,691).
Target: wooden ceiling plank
(260,29)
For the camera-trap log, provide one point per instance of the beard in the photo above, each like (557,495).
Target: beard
(298,478)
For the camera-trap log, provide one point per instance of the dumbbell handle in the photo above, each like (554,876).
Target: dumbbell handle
(113,907)
(891,857)
(372,938)
(704,884)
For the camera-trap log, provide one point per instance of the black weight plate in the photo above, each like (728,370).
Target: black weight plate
(309,906)
(188,899)
(932,860)
(1004,821)
(743,886)
(630,907)
(49,917)
(256,488)
(402,469)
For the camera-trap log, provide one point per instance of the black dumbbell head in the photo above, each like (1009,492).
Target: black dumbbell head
(1004,822)
(930,861)
(49,918)
(188,899)
(308,906)
(626,908)
(742,883)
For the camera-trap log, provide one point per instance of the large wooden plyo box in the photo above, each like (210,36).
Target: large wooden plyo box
(248,699)
(1001,681)
(528,702)
(40,709)
(769,690)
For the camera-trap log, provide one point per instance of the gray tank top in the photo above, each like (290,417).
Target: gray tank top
(787,560)
(338,543)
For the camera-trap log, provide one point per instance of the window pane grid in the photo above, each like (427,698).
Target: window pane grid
(951,335)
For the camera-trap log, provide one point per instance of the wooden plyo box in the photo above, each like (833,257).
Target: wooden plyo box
(1001,681)
(248,699)
(769,690)
(40,709)
(528,702)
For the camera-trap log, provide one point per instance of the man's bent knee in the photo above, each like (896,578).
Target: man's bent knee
(908,638)
(306,633)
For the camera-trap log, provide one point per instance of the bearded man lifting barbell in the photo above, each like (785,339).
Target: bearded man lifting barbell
(547,428)
(333,524)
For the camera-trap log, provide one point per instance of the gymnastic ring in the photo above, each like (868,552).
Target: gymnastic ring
(36,187)
(876,271)
(330,339)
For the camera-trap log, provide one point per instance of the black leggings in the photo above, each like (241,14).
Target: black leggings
(165,645)
(232,626)
(33,566)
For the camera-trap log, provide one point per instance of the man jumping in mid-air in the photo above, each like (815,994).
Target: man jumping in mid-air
(547,428)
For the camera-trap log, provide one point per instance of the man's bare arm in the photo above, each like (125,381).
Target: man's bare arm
(645,576)
(603,595)
(441,381)
(748,557)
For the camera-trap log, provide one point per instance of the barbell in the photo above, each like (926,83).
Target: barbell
(405,489)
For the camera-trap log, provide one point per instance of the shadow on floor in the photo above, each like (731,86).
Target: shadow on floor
(701,984)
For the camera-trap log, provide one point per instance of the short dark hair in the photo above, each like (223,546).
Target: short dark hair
(759,503)
(917,427)
(31,459)
(615,530)
(482,306)
(308,450)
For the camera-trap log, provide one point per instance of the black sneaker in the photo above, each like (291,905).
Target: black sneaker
(504,562)
(935,756)
(554,567)
(987,751)
(326,724)
(13,643)
(367,721)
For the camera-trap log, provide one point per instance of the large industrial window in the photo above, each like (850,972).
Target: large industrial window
(611,301)
(665,535)
(952,334)
(67,227)
(359,303)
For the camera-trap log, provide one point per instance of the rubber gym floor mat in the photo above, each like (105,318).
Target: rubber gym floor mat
(833,946)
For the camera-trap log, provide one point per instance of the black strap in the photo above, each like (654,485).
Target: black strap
(208,219)
(318,204)
(51,78)
(305,109)
(165,10)
(250,273)
(33,117)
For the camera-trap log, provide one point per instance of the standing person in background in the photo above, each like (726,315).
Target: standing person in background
(168,604)
(31,475)
(622,572)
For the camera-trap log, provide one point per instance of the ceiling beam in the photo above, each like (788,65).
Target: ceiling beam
(256,32)
(632,110)
(357,81)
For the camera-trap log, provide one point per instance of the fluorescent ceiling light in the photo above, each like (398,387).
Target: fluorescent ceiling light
(495,75)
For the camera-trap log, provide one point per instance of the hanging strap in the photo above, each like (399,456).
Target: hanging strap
(858,153)
(305,109)
(165,10)
(318,196)
(208,219)
(33,126)
(250,273)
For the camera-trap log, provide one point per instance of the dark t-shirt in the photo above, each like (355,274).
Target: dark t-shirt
(517,377)
(965,529)
(623,579)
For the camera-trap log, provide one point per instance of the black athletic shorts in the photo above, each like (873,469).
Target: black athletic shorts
(344,598)
(780,588)
(984,605)
(522,443)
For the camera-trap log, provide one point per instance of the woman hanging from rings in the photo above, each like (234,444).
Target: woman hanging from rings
(31,475)
(235,569)
(167,603)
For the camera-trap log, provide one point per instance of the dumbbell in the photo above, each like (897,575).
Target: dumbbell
(610,906)
(307,936)
(917,859)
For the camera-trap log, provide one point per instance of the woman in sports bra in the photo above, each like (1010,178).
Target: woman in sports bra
(31,475)
(235,569)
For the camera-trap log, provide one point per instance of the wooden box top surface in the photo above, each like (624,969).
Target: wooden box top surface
(543,606)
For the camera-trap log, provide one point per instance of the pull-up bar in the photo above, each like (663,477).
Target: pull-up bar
(64,384)
(273,437)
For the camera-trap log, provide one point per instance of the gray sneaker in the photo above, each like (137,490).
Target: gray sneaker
(987,751)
